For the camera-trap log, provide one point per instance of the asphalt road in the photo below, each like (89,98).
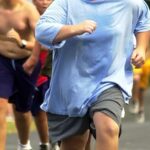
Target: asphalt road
(134,136)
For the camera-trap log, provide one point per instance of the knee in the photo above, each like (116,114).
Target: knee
(109,130)
(106,127)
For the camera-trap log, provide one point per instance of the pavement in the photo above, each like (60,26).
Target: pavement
(135,136)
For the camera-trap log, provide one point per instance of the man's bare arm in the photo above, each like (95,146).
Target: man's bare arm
(31,62)
(32,21)
(67,31)
(139,54)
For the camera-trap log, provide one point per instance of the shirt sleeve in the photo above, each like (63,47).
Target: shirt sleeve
(50,24)
(143,23)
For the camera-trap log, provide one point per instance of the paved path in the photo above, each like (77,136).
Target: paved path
(134,137)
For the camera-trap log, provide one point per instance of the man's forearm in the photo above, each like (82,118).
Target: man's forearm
(143,39)
(68,31)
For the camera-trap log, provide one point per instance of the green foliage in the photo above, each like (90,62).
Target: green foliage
(11,128)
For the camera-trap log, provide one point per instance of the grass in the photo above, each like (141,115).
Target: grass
(11,128)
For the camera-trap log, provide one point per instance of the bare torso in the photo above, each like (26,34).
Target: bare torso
(22,16)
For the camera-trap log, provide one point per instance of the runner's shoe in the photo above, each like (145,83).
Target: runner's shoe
(140,117)
(55,147)
(24,147)
(44,147)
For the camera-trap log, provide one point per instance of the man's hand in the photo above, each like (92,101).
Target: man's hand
(87,26)
(30,64)
(12,34)
(138,58)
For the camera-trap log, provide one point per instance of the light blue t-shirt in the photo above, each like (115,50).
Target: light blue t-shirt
(86,65)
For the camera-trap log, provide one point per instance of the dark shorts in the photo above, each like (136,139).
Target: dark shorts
(39,97)
(16,85)
(109,102)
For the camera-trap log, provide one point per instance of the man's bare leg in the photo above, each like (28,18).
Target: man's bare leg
(88,144)
(75,142)
(134,107)
(23,122)
(106,132)
(141,115)
(42,126)
(3,125)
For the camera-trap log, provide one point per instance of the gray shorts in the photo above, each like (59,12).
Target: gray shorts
(109,102)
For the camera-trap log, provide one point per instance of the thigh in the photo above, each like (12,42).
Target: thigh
(77,142)
(144,80)
(63,127)
(39,97)
(25,88)
(6,78)
(110,103)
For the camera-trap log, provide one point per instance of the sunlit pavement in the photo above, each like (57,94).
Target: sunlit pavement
(134,136)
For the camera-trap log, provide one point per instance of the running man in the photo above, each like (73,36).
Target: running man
(15,46)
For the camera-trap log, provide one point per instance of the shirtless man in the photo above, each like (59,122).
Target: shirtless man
(14,82)
(8,43)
